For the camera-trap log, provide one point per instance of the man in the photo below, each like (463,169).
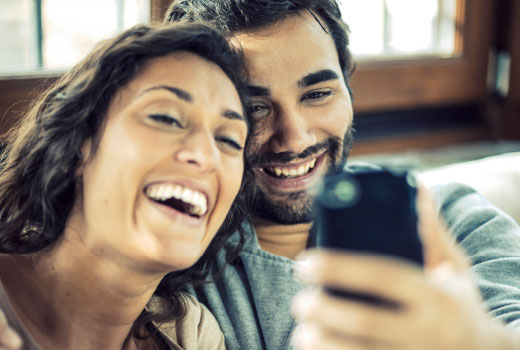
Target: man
(299,97)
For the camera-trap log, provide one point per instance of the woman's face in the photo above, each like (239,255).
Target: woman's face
(168,164)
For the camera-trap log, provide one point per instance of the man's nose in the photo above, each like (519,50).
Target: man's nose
(199,151)
(292,132)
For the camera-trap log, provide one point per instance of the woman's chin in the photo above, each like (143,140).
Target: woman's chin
(170,261)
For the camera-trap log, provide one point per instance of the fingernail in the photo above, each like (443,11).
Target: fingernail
(443,272)
(12,339)
(304,336)
(302,270)
(300,305)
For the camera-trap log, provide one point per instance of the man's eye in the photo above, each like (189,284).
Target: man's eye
(165,119)
(317,95)
(257,110)
(229,142)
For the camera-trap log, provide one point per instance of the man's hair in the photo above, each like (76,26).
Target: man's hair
(38,181)
(231,16)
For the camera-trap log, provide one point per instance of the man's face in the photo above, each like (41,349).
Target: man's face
(302,111)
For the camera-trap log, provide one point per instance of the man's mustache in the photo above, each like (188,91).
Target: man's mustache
(331,144)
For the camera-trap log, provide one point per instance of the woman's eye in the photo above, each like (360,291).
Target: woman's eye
(165,119)
(317,95)
(229,142)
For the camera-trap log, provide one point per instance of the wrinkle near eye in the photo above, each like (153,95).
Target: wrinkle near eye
(258,110)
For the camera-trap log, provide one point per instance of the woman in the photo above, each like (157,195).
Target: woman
(114,186)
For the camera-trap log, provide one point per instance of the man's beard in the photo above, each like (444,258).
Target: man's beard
(295,207)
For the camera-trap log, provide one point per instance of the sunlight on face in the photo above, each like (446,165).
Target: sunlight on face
(168,165)
(302,110)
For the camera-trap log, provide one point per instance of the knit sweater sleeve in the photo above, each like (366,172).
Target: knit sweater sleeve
(491,239)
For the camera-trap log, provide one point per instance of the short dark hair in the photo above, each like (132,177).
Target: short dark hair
(38,179)
(231,16)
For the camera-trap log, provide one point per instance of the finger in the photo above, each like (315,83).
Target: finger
(439,246)
(309,337)
(350,318)
(384,277)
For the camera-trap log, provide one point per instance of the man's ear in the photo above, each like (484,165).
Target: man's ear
(86,150)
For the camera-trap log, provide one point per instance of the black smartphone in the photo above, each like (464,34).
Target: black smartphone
(372,211)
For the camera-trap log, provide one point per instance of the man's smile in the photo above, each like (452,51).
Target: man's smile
(290,177)
(291,171)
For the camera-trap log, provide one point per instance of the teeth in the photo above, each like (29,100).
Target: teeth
(177,192)
(162,192)
(293,172)
(187,196)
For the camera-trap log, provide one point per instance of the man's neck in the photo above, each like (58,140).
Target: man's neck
(283,240)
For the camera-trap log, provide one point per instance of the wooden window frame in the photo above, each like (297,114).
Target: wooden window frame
(377,85)
(411,83)
(18,92)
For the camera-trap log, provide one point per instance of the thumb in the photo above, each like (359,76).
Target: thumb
(440,249)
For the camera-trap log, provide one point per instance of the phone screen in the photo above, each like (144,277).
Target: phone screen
(372,211)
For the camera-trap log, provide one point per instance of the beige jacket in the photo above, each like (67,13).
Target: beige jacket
(198,330)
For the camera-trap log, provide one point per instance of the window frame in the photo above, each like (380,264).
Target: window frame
(377,85)
(20,91)
(429,81)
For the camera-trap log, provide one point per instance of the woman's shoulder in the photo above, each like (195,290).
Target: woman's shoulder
(9,315)
(197,330)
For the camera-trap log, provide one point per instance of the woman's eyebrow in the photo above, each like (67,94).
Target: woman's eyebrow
(182,94)
(228,113)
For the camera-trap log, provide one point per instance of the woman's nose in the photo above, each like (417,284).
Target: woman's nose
(199,151)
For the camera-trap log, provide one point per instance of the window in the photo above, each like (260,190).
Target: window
(448,67)
(46,35)
(406,80)
(398,28)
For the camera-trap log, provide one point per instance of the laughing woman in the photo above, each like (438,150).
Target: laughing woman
(113,190)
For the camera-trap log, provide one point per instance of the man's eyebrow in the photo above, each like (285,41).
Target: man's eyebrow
(228,113)
(257,91)
(182,94)
(317,77)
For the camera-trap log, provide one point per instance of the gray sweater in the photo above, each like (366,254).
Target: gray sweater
(252,299)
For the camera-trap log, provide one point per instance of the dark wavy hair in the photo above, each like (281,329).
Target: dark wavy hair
(231,16)
(37,180)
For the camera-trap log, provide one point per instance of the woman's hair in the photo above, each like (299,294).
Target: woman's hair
(38,180)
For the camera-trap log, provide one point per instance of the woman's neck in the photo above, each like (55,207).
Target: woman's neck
(283,240)
(70,297)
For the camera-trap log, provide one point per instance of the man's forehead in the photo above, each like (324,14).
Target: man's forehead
(295,27)
(289,50)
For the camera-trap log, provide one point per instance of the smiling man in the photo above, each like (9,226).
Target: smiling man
(300,66)
(303,113)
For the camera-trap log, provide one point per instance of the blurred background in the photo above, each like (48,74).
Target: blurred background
(437,81)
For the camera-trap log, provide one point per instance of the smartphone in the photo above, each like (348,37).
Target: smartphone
(371,211)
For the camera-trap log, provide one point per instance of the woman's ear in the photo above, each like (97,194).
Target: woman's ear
(86,149)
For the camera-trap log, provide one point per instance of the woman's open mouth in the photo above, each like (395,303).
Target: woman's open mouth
(183,199)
